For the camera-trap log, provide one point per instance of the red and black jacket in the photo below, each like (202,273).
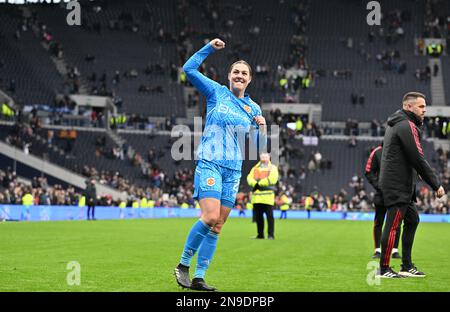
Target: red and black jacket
(372,171)
(401,158)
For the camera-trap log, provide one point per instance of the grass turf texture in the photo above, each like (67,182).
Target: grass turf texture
(140,255)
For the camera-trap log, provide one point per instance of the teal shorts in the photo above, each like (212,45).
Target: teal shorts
(214,181)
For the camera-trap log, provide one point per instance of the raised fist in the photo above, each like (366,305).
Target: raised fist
(217,44)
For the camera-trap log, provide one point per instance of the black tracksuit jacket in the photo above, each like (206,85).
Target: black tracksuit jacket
(401,158)
(372,173)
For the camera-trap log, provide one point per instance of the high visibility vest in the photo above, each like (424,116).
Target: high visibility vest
(82,201)
(144,202)
(309,202)
(430,49)
(183,77)
(299,125)
(267,178)
(307,82)
(27,199)
(283,82)
(7,111)
(197,205)
(285,200)
(444,128)
(135,204)
(150,203)
(184,206)
(123,204)
(249,206)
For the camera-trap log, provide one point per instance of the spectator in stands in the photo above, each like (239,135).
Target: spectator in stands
(311,163)
(12,86)
(362,99)
(380,81)
(354,98)
(318,159)
(371,36)
(375,128)
(89,58)
(435,68)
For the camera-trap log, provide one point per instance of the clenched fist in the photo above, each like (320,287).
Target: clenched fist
(217,44)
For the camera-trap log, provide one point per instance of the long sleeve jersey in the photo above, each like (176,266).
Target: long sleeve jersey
(228,119)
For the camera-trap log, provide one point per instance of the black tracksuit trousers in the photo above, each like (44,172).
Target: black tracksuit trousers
(260,210)
(395,214)
(380,214)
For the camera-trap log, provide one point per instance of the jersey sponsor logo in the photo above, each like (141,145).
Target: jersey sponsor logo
(247,108)
(223,108)
(211,181)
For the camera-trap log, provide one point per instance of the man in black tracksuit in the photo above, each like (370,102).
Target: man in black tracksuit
(372,174)
(91,198)
(402,159)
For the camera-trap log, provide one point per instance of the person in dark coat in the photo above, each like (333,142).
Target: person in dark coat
(402,163)
(372,173)
(91,198)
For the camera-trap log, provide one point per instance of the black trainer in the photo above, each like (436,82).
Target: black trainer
(376,255)
(181,273)
(411,272)
(388,273)
(200,284)
(270,237)
(396,255)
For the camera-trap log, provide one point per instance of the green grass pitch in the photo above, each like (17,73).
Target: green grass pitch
(139,255)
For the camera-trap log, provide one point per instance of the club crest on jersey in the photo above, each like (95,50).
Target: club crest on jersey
(211,181)
(247,108)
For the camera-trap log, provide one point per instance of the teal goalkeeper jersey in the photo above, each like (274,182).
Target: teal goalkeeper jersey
(228,119)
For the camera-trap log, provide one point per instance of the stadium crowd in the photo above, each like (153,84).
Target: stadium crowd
(177,192)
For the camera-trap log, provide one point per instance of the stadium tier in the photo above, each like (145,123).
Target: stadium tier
(339,161)
(135,53)
(26,70)
(339,43)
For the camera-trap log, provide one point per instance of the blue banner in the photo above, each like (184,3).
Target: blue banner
(59,213)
